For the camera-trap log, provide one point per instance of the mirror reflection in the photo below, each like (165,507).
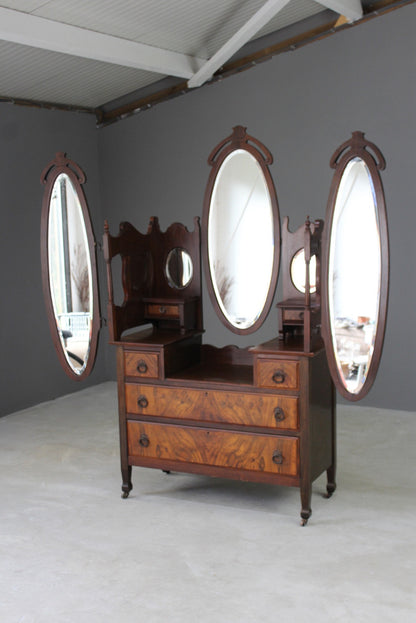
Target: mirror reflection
(241,239)
(354,274)
(179,268)
(70,273)
(298,272)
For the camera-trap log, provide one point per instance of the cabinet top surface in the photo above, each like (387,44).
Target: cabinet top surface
(152,337)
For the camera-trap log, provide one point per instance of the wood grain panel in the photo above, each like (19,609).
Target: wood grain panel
(243,451)
(277,374)
(141,365)
(244,409)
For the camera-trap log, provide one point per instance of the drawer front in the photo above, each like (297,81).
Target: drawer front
(293,315)
(213,406)
(244,451)
(160,310)
(141,365)
(276,374)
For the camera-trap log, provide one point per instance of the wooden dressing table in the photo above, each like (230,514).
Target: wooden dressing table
(262,414)
(265,413)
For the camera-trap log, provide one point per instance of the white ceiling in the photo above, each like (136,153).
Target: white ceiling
(86,53)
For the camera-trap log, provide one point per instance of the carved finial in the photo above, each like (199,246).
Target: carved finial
(153,224)
(239,133)
(62,163)
(357,145)
(239,139)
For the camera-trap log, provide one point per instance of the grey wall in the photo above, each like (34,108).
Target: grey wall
(302,105)
(29,138)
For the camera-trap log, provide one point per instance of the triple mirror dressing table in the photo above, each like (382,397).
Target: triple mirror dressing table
(264,413)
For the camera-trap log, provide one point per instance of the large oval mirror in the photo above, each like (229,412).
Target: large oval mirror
(69,268)
(241,232)
(356,261)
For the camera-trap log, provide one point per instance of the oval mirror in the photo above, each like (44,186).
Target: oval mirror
(241,232)
(69,268)
(298,272)
(355,287)
(179,268)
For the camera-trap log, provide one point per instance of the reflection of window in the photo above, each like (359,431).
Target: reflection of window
(355,270)
(70,270)
(68,263)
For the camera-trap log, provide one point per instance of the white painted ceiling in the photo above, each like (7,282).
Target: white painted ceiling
(87,53)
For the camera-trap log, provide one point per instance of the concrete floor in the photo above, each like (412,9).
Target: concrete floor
(186,548)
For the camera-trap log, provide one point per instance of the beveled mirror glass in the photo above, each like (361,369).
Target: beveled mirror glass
(179,268)
(241,232)
(356,284)
(298,272)
(68,267)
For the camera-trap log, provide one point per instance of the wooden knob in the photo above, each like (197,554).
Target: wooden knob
(142,366)
(279,414)
(279,377)
(277,457)
(144,440)
(142,402)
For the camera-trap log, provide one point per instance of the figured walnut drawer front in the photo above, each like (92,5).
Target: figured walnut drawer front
(160,310)
(277,374)
(142,365)
(213,406)
(244,451)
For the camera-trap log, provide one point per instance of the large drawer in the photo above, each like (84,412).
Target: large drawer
(244,409)
(141,365)
(277,374)
(187,444)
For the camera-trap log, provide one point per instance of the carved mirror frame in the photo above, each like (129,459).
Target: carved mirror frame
(240,140)
(61,164)
(356,147)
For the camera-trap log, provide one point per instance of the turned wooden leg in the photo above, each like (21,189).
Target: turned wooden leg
(330,472)
(331,484)
(305,498)
(127,485)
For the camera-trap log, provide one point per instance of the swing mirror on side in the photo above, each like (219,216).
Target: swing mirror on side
(69,268)
(355,286)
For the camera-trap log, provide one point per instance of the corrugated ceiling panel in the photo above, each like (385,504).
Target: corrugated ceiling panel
(197,27)
(59,78)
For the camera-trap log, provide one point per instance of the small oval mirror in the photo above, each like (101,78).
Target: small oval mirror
(179,268)
(68,268)
(241,233)
(355,289)
(298,272)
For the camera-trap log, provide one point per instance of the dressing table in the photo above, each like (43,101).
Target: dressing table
(264,413)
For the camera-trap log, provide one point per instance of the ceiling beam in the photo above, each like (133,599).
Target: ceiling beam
(38,32)
(351,9)
(244,34)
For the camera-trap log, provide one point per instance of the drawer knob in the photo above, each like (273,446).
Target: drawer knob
(142,402)
(279,414)
(162,310)
(144,440)
(142,366)
(279,377)
(277,457)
